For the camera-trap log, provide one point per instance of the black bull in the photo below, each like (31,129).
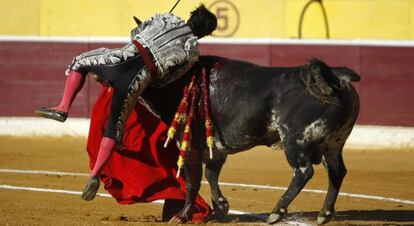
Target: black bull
(308,110)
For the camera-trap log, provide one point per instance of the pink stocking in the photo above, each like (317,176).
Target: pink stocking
(105,151)
(74,84)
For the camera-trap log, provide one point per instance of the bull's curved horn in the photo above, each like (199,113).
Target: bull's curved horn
(138,21)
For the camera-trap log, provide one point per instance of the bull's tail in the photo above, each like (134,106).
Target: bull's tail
(336,77)
(321,80)
(346,73)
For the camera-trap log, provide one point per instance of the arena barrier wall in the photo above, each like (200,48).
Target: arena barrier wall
(32,70)
(362,136)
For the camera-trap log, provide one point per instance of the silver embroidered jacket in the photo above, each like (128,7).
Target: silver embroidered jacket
(171,43)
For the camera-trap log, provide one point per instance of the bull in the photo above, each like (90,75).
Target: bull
(309,110)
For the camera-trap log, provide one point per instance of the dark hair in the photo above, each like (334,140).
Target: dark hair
(202,22)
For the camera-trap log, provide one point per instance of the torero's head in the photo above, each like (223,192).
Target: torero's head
(202,22)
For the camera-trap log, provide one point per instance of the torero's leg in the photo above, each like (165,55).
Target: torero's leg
(92,185)
(92,61)
(126,92)
(74,84)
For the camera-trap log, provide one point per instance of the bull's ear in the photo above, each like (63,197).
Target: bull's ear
(138,21)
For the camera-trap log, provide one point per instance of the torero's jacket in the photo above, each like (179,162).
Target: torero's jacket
(172,46)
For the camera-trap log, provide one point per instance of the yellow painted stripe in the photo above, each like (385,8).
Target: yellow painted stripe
(348,19)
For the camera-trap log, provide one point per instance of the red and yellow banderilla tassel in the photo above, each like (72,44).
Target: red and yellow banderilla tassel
(209,137)
(208,123)
(186,139)
(186,108)
(185,146)
(182,107)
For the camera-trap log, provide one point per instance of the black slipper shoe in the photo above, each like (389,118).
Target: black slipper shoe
(52,114)
(90,189)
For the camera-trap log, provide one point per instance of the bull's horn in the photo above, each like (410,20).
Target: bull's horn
(138,21)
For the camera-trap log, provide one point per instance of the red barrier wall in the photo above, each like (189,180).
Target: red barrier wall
(32,74)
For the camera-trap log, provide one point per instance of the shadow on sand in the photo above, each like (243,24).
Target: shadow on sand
(397,216)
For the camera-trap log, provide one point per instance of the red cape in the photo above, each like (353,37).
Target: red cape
(142,170)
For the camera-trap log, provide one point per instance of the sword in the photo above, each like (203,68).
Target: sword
(138,21)
(175,5)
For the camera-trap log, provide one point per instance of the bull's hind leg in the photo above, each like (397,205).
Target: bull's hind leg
(220,203)
(335,166)
(301,163)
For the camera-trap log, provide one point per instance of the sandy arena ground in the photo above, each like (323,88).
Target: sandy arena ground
(379,174)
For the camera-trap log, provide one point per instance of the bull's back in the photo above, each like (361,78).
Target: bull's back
(247,99)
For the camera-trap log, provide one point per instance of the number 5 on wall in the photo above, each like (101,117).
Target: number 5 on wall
(228,18)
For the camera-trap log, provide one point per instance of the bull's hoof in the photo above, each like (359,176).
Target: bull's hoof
(221,208)
(178,220)
(184,216)
(276,217)
(325,216)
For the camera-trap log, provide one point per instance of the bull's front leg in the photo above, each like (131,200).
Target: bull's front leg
(193,172)
(220,203)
